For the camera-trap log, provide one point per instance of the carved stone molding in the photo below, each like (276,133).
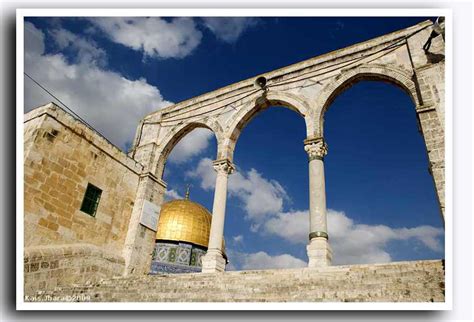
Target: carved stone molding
(316,148)
(223,166)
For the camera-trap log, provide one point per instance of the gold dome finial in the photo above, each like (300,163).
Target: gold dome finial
(187,192)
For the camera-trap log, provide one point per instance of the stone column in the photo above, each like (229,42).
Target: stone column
(214,260)
(318,249)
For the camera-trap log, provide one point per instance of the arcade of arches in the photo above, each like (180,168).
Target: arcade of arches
(308,88)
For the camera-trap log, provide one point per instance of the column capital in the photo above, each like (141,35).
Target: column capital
(316,148)
(223,166)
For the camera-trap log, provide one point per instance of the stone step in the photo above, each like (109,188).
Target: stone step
(288,283)
(250,295)
(264,288)
(353,269)
(285,286)
(231,278)
(424,295)
(261,289)
(348,279)
(403,281)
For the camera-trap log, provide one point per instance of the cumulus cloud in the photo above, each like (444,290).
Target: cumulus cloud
(229,29)
(156,37)
(103,98)
(85,50)
(292,226)
(191,145)
(352,243)
(262,260)
(260,197)
(34,40)
(172,194)
(205,173)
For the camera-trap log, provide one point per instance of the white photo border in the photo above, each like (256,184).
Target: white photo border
(250,12)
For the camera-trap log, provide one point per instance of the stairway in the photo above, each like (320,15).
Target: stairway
(414,281)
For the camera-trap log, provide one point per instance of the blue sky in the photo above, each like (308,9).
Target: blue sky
(381,200)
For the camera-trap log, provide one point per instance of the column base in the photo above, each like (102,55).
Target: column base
(319,252)
(213,262)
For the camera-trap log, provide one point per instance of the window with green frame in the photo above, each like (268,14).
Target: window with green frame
(91,200)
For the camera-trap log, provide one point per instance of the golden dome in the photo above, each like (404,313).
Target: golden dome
(184,220)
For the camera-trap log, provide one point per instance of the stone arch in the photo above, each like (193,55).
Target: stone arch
(179,131)
(243,117)
(385,73)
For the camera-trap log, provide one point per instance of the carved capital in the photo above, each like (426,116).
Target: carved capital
(223,166)
(316,148)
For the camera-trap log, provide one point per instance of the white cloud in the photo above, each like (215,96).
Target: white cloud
(352,243)
(172,194)
(238,239)
(86,51)
(229,29)
(204,172)
(292,226)
(103,98)
(34,40)
(156,37)
(254,227)
(262,260)
(192,144)
(260,197)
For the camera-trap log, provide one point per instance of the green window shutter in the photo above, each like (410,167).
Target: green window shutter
(90,203)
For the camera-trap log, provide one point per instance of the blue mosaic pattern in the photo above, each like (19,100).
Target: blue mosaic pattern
(176,258)
(166,268)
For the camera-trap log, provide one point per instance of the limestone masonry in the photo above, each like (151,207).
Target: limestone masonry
(417,281)
(86,203)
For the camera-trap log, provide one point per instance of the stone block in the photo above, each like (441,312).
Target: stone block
(319,252)
(213,262)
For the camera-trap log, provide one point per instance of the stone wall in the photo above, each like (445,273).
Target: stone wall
(62,155)
(47,267)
